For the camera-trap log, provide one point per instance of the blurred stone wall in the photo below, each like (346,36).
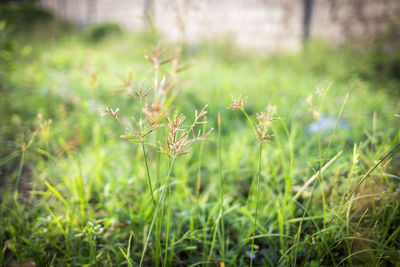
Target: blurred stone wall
(342,20)
(269,25)
(128,13)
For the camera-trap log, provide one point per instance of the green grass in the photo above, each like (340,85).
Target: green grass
(83,195)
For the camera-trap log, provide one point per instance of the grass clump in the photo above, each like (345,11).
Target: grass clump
(101,31)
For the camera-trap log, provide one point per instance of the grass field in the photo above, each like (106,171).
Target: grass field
(74,193)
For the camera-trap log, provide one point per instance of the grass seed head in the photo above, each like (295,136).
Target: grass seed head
(141,131)
(155,59)
(264,121)
(44,125)
(181,137)
(25,144)
(238,103)
(138,94)
(110,112)
(156,111)
(159,106)
(313,107)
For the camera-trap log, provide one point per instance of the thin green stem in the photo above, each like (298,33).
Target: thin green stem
(336,126)
(249,119)
(257,200)
(158,162)
(199,173)
(155,212)
(21,165)
(164,210)
(148,174)
(214,236)
(370,171)
(158,223)
(168,223)
(198,188)
(168,214)
(221,199)
(320,178)
(80,188)
(221,193)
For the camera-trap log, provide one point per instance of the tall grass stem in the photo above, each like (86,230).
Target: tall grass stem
(221,192)
(257,201)
(21,165)
(148,174)
(156,211)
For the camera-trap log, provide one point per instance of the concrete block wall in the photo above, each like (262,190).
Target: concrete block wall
(342,20)
(268,25)
(259,24)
